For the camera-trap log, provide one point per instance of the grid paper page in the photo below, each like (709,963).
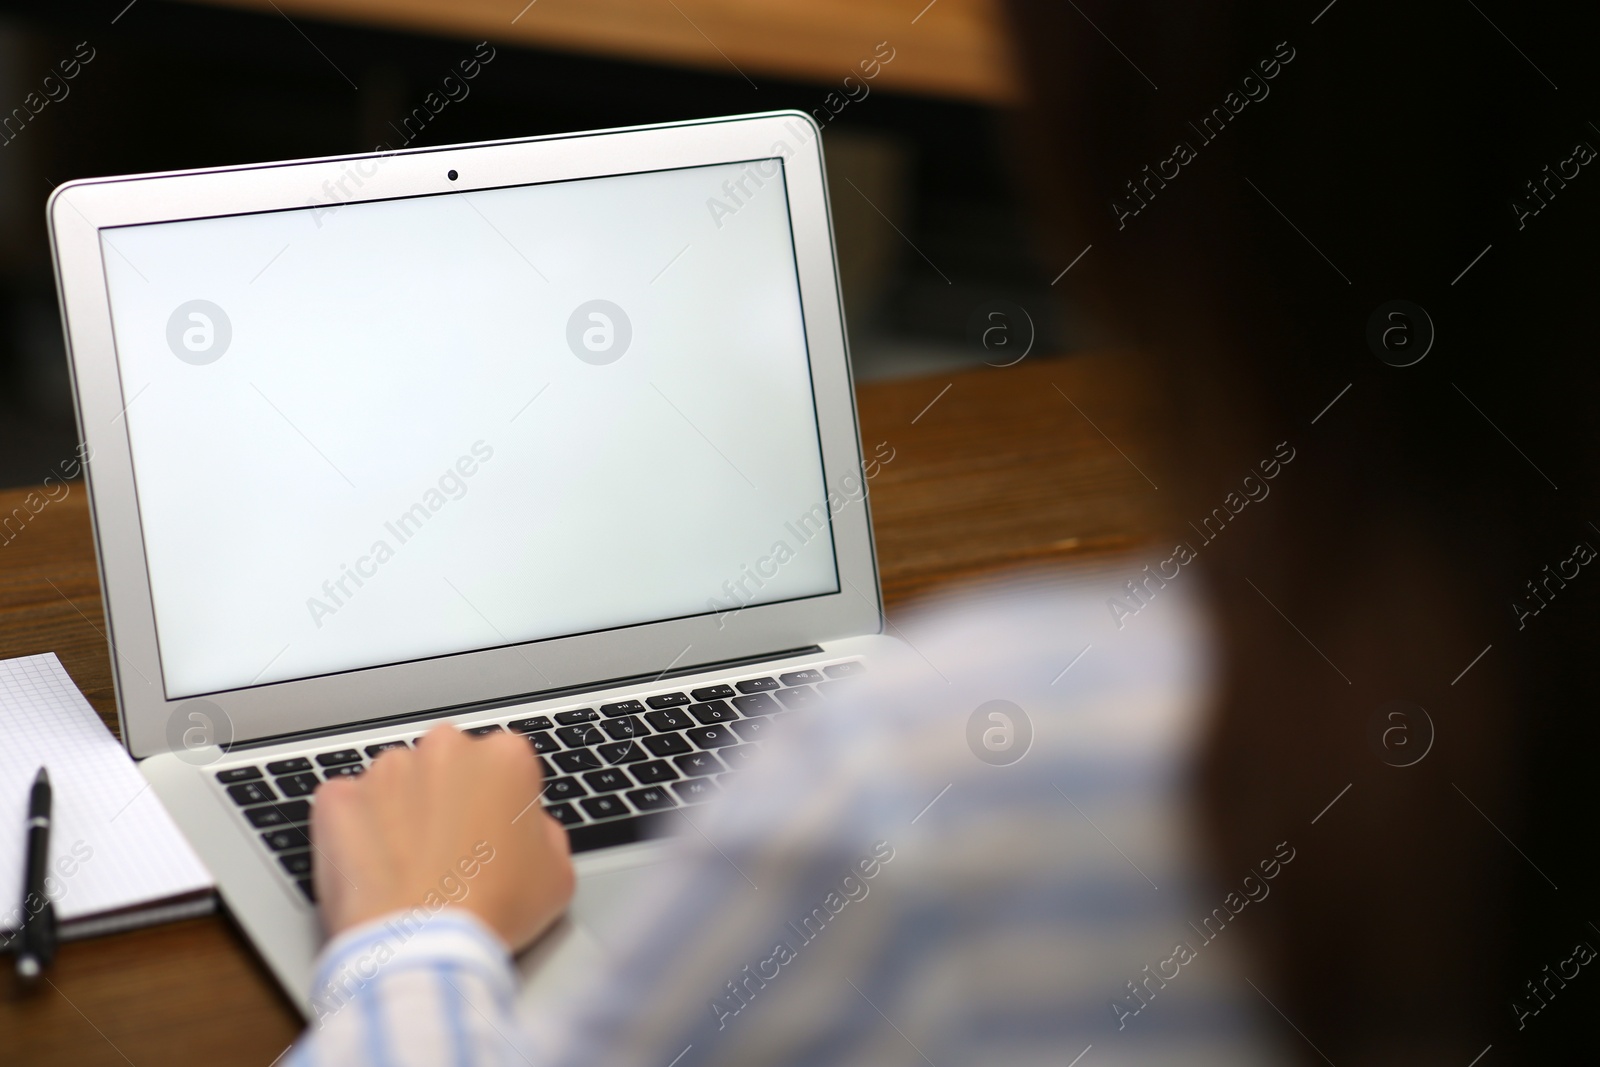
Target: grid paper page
(112,844)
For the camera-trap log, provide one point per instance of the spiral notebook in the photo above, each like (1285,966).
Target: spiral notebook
(117,861)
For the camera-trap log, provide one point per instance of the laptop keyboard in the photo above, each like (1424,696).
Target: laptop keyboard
(612,771)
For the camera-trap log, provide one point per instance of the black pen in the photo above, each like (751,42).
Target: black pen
(36,941)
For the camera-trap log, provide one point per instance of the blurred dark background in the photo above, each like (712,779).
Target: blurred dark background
(175,85)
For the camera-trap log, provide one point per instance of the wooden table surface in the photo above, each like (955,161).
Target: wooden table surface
(992,467)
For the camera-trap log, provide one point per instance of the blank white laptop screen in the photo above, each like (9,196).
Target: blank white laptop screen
(385,431)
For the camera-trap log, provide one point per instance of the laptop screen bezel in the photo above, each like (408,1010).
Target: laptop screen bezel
(151,723)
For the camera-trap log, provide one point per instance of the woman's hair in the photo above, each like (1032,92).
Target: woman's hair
(1365,233)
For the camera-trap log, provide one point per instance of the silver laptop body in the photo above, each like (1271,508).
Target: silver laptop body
(552,435)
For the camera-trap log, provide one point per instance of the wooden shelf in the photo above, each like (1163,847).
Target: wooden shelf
(950,48)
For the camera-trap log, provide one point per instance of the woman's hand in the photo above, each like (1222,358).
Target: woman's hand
(457,821)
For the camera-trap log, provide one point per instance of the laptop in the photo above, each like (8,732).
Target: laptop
(553,436)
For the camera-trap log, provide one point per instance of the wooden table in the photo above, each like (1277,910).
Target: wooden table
(991,467)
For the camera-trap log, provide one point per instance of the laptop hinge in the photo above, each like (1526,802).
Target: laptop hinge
(524,698)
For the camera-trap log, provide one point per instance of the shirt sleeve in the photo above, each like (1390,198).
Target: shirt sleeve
(413,987)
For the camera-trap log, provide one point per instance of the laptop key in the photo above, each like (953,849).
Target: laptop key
(757,704)
(483,731)
(740,756)
(622,752)
(289,811)
(625,727)
(265,817)
(307,888)
(251,793)
(666,744)
(580,736)
(714,692)
(713,711)
(838,688)
(349,770)
(608,781)
(725,780)
(286,838)
(543,742)
(238,774)
(669,720)
(574,762)
(621,707)
(695,790)
(573,718)
(546,772)
(334,759)
(655,771)
(604,806)
(757,685)
(296,862)
(384,746)
(697,763)
(299,785)
(667,700)
(289,766)
(844,670)
(565,814)
(563,789)
(652,799)
(527,726)
(711,736)
(751,729)
(807,677)
(801,696)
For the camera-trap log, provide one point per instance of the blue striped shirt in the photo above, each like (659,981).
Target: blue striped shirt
(906,878)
